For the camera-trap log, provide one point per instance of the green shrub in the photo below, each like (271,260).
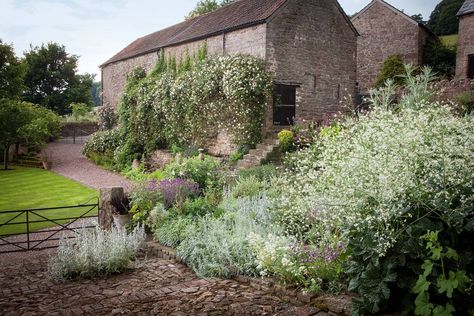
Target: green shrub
(204,172)
(286,140)
(392,175)
(236,156)
(247,187)
(104,160)
(95,252)
(242,150)
(331,131)
(145,196)
(157,175)
(392,69)
(262,173)
(466,101)
(174,230)
(136,174)
(441,58)
(80,109)
(200,206)
(102,143)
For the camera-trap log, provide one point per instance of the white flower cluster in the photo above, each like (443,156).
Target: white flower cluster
(374,175)
(222,93)
(271,251)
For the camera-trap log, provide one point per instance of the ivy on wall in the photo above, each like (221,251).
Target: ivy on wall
(186,103)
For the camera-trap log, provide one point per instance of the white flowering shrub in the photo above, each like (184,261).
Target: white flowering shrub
(381,182)
(171,107)
(102,143)
(311,267)
(95,252)
(380,166)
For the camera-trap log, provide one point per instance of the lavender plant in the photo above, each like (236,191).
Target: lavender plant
(176,191)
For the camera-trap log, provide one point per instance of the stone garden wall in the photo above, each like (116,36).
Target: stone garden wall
(311,45)
(465,44)
(384,32)
(250,41)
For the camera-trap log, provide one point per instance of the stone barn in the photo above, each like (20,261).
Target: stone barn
(385,31)
(308,45)
(465,54)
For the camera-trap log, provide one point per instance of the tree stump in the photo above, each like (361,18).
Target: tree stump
(106,208)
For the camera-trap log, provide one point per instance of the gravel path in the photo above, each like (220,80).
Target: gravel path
(68,161)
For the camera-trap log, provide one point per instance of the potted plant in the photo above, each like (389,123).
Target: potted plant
(121,212)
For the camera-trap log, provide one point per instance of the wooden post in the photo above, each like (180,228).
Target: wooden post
(106,208)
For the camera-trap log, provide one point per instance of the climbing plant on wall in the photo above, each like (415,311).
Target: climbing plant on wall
(186,103)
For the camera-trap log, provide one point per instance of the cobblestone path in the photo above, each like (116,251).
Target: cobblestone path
(156,287)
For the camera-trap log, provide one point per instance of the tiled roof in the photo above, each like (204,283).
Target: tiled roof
(239,14)
(467,8)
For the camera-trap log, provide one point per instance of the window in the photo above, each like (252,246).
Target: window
(284,108)
(470,67)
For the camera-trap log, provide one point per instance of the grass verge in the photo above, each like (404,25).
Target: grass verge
(25,188)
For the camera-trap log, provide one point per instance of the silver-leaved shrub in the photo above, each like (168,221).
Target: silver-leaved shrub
(95,252)
(221,247)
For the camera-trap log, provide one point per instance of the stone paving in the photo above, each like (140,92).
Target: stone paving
(156,286)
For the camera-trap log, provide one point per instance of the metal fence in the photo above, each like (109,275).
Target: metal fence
(75,136)
(32,227)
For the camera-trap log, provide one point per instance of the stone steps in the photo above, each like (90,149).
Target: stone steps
(256,156)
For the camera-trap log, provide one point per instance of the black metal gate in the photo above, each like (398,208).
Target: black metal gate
(32,226)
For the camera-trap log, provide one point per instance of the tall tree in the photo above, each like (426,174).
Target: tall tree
(206,6)
(23,122)
(12,72)
(96,91)
(418,18)
(51,79)
(443,20)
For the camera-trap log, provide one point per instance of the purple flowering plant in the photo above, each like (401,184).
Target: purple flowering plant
(320,265)
(176,191)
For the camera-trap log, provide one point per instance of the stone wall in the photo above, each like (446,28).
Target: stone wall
(384,32)
(114,76)
(250,41)
(307,43)
(465,44)
(310,44)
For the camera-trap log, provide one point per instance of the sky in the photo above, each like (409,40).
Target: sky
(95,30)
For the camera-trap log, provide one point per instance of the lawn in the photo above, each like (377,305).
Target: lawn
(449,40)
(24,188)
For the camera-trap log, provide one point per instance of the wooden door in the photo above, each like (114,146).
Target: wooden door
(470,67)
(284,108)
